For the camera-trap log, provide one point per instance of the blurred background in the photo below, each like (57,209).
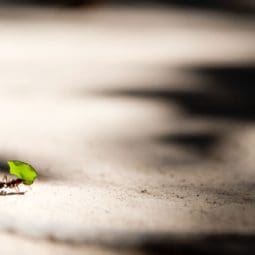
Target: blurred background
(224,4)
(139,116)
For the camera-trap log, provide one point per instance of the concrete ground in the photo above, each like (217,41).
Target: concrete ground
(141,125)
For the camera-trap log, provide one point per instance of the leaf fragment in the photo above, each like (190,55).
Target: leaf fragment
(23,171)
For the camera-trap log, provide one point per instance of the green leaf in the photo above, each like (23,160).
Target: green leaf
(23,171)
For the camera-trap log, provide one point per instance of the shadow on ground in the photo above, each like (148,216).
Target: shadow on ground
(240,8)
(225,6)
(3,193)
(225,96)
(165,244)
(203,143)
(207,244)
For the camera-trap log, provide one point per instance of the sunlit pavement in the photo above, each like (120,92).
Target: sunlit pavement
(110,105)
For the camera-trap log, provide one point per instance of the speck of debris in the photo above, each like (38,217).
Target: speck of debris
(144,191)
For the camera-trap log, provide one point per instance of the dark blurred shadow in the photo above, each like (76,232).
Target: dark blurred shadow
(6,193)
(227,95)
(171,243)
(202,143)
(42,3)
(237,7)
(206,244)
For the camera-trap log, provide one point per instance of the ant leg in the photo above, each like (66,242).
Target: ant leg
(17,188)
(5,178)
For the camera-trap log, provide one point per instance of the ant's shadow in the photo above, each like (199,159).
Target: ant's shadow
(5,193)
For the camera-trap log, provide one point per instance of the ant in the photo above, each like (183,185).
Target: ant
(10,183)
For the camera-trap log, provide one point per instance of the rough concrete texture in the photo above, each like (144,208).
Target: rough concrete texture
(138,124)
